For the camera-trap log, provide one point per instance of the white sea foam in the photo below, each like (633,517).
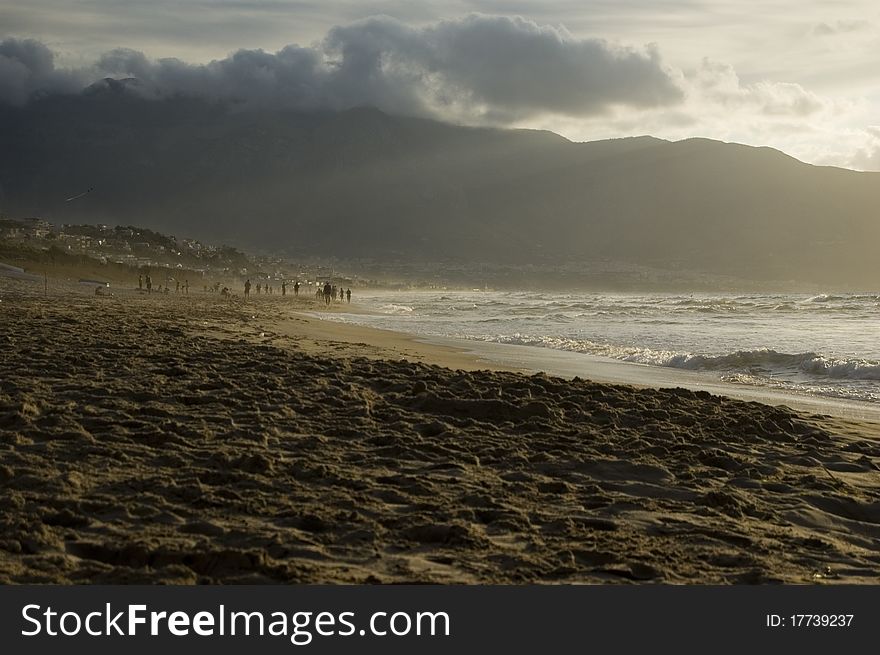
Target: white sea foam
(762,360)
(392,308)
(826,344)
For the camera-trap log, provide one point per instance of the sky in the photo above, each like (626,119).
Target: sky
(800,76)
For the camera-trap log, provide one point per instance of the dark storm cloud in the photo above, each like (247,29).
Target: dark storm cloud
(478,67)
(505,65)
(27,67)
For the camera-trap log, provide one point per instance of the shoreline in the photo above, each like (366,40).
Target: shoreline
(203,440)
(474,355)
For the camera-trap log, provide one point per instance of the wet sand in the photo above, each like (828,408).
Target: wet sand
(186,439)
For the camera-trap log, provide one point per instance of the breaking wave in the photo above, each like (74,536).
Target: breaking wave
(392,308)
(763,361)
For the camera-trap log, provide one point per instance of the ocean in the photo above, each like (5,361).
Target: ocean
(816,345)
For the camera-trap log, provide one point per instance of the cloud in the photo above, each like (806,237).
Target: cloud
(719,84)
(477,68)
(27,68)
(508,71)
(503,68)
(292,77)
(867,157)
(840,27)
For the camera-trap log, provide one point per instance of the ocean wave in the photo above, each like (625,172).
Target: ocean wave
(556,317)
(829,298)
(765,362)
(771,361)
(717,304)
(392,308)
(859,391)
(823,297)
(850,369)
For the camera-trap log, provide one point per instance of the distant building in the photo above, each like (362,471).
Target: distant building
(36,228)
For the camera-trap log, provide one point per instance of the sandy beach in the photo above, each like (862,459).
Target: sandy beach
(194,439)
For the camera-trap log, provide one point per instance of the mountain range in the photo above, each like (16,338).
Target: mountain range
(361,184)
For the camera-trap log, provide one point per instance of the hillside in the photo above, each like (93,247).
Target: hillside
(363,184)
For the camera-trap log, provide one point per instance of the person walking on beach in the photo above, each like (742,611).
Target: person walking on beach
(348,296)
(140,282)
(327,291)
(149,284)
(258,289)
(296,288)
(176,286)
(186,287)
(283,287)
(247,288)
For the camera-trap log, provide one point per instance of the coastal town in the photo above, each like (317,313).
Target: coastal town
(130,250)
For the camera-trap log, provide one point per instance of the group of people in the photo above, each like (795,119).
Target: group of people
(146,282)
(329,291)
(269,289)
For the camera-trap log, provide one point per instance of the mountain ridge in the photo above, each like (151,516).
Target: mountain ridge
(364,184)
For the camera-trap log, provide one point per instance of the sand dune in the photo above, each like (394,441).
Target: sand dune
(188,439)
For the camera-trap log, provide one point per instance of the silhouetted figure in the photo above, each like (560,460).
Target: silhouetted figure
(176,286)
(348,295)
(186,287)
(140,282)
(296,288)
(258,289)
(283,288)
(328,290)
(247,288)
(149,284)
